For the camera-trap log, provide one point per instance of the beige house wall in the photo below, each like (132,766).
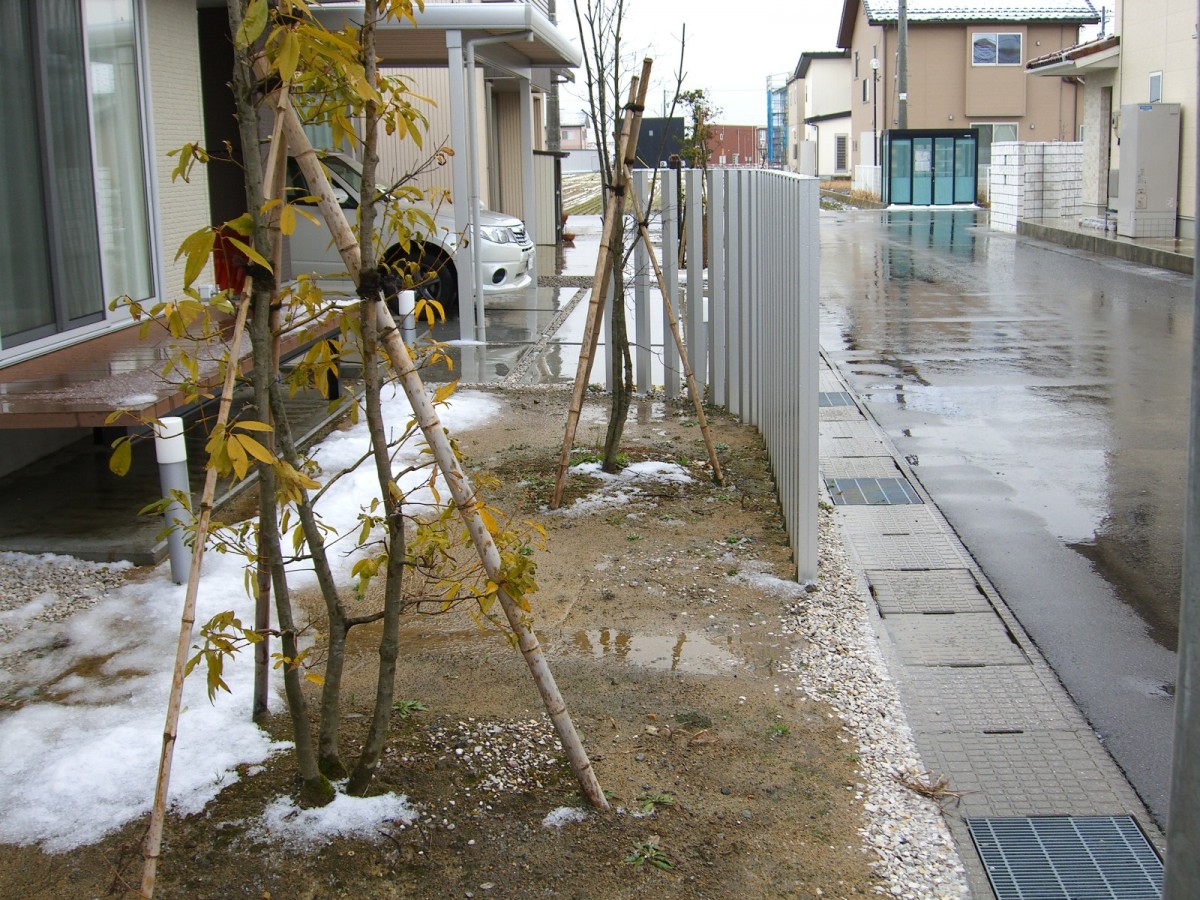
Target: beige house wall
(796,106)
(173,76)
(1157,36)
(398,157)
(946,91)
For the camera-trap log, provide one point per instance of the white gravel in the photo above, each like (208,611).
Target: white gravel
(49,588)
(841,665)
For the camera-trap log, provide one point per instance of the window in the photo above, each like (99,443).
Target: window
(840,154)
(855,63)
(866,90)
(996,49)
(1156,87)
(992,132)
(74,220)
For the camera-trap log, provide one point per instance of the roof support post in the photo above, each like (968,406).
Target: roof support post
(528,203)
(461,181)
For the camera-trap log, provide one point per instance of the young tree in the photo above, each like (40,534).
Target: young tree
(606,69)
(286,61)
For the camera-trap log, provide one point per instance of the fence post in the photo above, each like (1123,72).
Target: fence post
(733,293)
(641,293)
(697,350)
(670,251)
(717,307)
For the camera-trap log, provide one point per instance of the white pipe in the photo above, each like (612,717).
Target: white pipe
(170,449)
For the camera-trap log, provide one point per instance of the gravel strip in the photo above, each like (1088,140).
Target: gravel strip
(50,588)
(841,665)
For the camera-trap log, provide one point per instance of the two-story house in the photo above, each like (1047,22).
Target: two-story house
(1149,57)
(965,69)
(822,127)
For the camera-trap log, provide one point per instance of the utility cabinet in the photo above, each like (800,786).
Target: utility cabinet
(1148,179)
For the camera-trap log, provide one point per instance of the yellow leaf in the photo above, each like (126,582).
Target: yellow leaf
(314,677)
(443,393)
(252,425)
(251,254)
(122,456)
(287,220)
(197,258)
(237,457)
(254,448)
(253,24)
(289,56)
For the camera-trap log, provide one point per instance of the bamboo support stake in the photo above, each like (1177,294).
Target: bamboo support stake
(460,489)
(153,842)
(468,507)
(697,399)
(626,149)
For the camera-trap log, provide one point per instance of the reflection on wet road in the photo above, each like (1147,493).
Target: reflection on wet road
(1042,396)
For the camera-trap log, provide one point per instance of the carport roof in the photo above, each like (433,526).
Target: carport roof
(535,43)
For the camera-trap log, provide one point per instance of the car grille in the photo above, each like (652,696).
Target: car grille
(518,232)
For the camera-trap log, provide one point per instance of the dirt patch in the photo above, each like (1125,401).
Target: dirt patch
(725,779)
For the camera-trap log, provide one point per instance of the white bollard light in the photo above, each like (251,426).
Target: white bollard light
(407,316)
(170,448)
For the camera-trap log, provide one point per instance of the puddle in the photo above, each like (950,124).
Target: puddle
(687,652)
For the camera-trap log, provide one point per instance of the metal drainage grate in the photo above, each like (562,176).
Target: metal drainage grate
(871,491)
(834,398)
(1068,858)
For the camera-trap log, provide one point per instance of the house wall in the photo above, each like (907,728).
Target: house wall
(398,156)
(796,112)
(827,87)
(1099,145)
(727,141)
(946,91)
(1157,36)
(825,134)
(172,78)
(177,112)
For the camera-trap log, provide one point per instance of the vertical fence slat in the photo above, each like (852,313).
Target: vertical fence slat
(697,343)
(641,294)
(760,346)
(670,251)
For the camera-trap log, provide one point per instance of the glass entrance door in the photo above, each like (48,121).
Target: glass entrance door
(922,171)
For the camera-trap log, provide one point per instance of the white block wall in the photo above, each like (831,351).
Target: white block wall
(868,179)
(1034,181)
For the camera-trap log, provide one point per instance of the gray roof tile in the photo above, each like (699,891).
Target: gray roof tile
(983,11)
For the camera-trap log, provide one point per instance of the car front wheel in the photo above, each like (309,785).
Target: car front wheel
(432,277)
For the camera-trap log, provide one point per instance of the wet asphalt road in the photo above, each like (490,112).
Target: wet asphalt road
(1041,395)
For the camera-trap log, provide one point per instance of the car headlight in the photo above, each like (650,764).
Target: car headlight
(497,235)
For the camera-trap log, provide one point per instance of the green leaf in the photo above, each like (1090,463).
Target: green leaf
(253,24)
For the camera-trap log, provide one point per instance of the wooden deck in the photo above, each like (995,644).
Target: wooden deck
(80,386)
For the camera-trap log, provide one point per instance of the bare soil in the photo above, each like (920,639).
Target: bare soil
(742,783)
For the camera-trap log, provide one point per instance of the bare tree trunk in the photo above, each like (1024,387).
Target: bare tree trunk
(369,299)
(620,361)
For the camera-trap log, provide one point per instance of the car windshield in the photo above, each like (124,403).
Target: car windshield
(349,173)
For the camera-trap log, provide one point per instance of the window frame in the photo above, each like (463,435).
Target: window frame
(997,37)
(841,153)
(1156,77)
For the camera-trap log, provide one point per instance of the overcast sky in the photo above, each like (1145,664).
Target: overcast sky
(730,51)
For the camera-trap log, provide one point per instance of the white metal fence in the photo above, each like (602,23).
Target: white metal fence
(751,337)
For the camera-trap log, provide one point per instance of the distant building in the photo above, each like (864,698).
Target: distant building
(658,141)
(732,145)
(575,136)
(966,69)
(819,126)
